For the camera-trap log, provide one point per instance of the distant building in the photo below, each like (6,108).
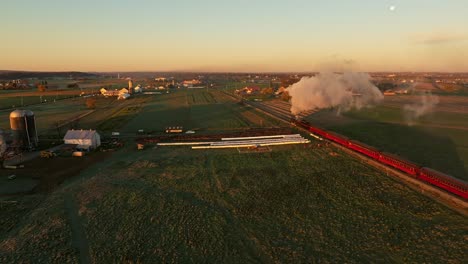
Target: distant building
(123,91)
(191,83)
(84,139)
(249,90)
(107,93)
(138,89)
(123,96)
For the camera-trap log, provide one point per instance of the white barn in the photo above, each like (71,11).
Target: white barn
(85,139)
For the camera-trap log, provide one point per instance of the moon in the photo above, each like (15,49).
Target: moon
(392,8)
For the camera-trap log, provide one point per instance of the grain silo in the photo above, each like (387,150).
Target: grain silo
(31,127)
(18,127)
(23,126)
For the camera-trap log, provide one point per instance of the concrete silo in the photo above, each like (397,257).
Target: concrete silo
(23,126)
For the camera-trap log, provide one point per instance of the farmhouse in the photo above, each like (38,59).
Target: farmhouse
(123,96)
(191,83)
(84,139)
(109,93)
(138,89)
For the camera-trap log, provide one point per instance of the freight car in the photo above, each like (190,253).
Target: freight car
(428,175)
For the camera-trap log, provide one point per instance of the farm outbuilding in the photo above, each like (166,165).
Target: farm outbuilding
(123,91)
(85,139)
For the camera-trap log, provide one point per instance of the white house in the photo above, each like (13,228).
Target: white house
(123,96)
(85,139)
(123,91)
(138,89)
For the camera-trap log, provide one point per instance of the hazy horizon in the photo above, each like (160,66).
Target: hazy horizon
(245,36)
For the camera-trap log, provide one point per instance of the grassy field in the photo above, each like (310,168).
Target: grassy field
(59,90)
(21,101)
(297,204)
(199,110)
(437,140)
(292,205)
(109,114)
(47,115)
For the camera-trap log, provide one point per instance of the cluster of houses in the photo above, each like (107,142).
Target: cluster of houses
(123,93)
(249,90)
(17,84)
(254,90)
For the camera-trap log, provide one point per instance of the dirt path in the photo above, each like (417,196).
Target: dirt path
(79,240)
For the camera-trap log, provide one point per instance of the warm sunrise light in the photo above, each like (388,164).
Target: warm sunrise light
(233,35)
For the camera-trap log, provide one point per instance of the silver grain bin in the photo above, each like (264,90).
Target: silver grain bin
(23,126)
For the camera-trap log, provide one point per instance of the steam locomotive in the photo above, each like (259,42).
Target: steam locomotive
(428,175)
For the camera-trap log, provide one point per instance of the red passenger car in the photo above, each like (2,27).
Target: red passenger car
(444,181)
(433,177)
(399,163)
(364,149)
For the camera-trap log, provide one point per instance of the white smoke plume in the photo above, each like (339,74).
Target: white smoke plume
(423,106)
(344,91)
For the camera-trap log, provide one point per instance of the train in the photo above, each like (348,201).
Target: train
(435,178)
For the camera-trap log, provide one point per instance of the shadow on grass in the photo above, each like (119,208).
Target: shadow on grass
(412,143)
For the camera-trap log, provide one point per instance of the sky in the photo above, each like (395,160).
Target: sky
(240,36)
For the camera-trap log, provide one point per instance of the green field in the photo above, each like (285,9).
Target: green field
(47,115)
(22,101)
(199,110)
(438,140)
(296,204)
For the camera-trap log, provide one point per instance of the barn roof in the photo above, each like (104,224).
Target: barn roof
(80,134)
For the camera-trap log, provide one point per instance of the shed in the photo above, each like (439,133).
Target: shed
(87,139)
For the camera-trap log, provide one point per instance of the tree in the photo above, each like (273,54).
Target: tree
(91,103)
(41,87)
(285,96)
(267,91)
(73,85)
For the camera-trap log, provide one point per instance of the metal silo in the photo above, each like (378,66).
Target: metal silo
(31,128)
(21,131)
(18,127)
